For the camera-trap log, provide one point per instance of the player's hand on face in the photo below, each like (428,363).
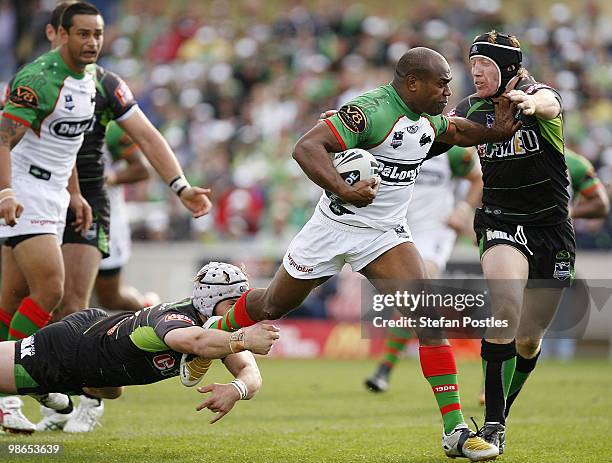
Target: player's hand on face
(362,193)
(10,210)
(505,121)
(222,399)
(328,113)
(196,200)
(524,102)
(82,213)
(260,338)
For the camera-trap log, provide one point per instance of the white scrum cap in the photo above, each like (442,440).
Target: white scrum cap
(216,282)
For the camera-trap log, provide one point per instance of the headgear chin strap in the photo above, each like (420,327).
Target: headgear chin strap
(503,50)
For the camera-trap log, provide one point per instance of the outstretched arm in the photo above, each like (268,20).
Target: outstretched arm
(161,157)
(542,104)
(223,397)
(463,132)
(214,344)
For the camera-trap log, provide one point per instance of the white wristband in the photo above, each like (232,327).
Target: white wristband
(241,388)
(178,184)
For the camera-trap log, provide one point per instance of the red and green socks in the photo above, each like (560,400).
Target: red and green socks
(498,363)
(438,366)
(5,322)
(237,317)
(397,338)
(524,367)
(28,319)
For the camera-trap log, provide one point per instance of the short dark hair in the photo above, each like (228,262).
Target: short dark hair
(56,14)
(77,8)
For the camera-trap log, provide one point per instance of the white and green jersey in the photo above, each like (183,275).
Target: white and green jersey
(380,122)
(433,198)
(57,105)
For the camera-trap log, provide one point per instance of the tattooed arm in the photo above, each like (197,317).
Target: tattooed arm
(10,134)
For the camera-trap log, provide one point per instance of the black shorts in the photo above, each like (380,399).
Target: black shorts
(98,234)
(550,251)
(47,361)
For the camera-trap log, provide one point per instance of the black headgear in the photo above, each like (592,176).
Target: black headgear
(505,52)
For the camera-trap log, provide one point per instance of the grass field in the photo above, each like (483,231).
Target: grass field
(318,411)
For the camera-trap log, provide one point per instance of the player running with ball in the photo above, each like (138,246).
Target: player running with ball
(369,232)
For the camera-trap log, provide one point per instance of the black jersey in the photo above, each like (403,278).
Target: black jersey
(113,101)
(525,178)
(128,348)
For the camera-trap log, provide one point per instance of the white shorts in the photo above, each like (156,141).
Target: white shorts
(120,234)
(435,243)
(323,246)
(44,208)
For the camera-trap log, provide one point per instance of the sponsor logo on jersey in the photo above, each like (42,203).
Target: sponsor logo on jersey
(164,363)
(499,235)
(24,97)
(339,209)
(562,255)
(425,140)
(398,139)
(123,93)
(178,317)
(392,172)
(71,128)
(412,129)
(563,270)
(353,118)
(69,102)
(298,267)
(27,347)
(490,120)
(523,142)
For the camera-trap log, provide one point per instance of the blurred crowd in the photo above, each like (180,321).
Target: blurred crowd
(232,86)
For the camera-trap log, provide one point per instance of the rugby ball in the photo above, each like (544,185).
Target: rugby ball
(355,164)
(193,368)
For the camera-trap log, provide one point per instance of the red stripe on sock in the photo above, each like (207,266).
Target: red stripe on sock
(241,316)
(5,317)
(388,364)
(35,313)
(228,322)
(16,334)
(449,408)
(392,350)
(437,360)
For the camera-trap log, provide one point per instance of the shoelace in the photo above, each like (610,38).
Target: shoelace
(478,429)
(83,414)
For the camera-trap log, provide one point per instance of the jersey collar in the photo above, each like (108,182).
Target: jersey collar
(65,67)
(410,114)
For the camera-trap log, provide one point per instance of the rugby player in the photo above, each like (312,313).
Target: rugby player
(84,246)
(368,230)
(94,354)
(525,235)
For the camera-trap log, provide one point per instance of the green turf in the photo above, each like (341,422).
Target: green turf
(318,411)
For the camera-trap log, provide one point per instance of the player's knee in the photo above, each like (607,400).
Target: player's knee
(528,347)
(49,294)
(112,392)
